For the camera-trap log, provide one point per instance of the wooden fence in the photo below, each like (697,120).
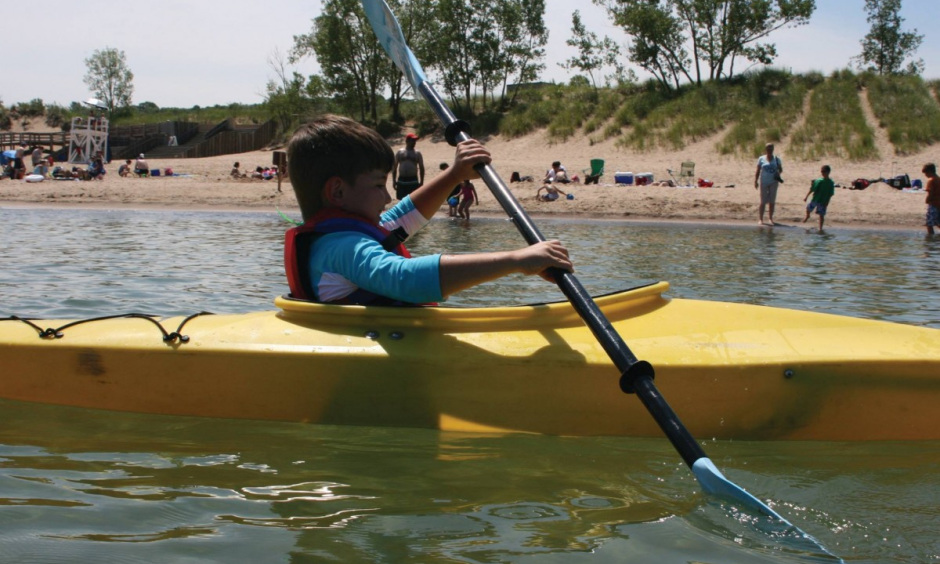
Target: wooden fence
(239,140)
(11,140)
(130,140)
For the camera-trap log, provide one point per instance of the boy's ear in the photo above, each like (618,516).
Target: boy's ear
(333,190)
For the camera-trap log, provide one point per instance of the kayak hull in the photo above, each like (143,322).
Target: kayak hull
(728,370)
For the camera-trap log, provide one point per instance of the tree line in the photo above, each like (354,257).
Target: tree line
(476,51)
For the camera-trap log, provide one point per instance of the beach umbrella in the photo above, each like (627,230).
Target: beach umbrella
(96,103)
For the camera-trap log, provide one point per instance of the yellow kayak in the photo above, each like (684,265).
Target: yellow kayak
(728,370)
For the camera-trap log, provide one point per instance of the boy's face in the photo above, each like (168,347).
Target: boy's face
(367,196)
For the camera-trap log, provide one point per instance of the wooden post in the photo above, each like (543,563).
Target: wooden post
(280,161)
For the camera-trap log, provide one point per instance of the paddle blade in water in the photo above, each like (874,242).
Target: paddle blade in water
(713,482)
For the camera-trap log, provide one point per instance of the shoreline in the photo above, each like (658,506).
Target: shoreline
(205,184)
(575,217)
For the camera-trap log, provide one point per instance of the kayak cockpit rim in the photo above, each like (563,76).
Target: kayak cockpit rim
(561,313)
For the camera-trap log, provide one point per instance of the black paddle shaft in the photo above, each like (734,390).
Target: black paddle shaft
(636,376)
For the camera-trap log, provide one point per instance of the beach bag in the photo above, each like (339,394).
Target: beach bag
(900,181)
(515,177)
(860,184)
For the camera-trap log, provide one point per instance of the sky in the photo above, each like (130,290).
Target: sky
(212,52)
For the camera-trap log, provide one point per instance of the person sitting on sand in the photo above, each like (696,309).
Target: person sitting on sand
(96,168)
(258,173)
(141,168)
(557,173)
(551,192)
(125,169)
(236,171)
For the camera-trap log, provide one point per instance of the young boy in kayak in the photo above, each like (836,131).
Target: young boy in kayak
(822,190)
(349,249)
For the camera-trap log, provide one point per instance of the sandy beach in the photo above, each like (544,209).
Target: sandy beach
(206,184)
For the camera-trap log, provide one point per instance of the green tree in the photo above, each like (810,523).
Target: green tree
(455,52)
(593,53)
(110,79)
(481,47)
(718,32)
(886,47)
(5,122)
(658,44)
(33,108)
(353,65)
(56,116)
(522,36)
(291,98)
(148,108)
(411,16)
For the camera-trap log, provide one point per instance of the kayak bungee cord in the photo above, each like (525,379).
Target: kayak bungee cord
(57,333)
(636,375)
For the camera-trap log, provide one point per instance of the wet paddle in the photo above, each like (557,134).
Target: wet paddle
(636,375)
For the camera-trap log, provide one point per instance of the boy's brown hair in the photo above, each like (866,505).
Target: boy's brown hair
(930,169)
(332,146)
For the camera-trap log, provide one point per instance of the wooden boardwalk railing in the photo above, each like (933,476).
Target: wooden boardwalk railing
(225,138)
(9,140)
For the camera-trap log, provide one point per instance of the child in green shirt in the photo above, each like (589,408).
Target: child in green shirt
(822,190)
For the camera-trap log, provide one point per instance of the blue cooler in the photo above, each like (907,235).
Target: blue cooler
(623,177)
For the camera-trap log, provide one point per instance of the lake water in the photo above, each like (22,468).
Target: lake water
(82,485)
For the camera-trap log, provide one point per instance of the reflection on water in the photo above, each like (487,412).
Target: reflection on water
(80,485)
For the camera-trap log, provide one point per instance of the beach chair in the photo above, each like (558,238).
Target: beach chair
(592,175)
(687,174)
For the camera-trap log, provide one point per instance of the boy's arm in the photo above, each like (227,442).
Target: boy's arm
(812,187)
(459,272)
(362,261)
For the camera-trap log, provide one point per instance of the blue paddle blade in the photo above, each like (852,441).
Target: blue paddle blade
(714,483)
(392,40)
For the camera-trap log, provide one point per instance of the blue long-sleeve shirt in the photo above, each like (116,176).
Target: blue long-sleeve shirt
(343,262)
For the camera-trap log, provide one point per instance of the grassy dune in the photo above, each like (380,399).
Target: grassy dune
(823,116)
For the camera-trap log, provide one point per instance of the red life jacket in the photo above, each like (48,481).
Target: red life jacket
(298,241)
